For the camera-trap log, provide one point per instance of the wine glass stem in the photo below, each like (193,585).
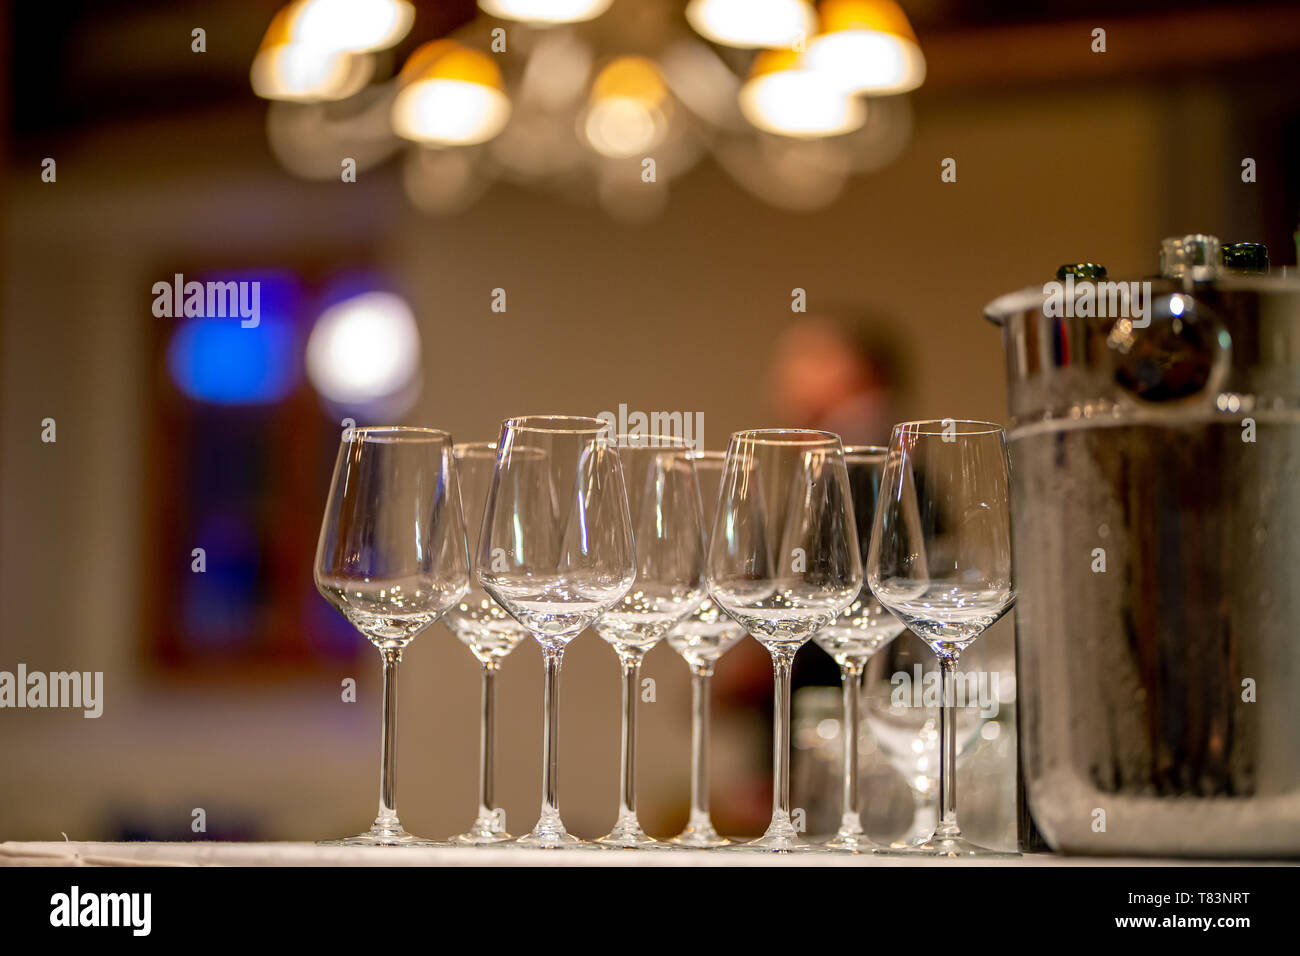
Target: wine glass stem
(388,756)
(631,664)
(486,737)
(552,656)
(851,681)
(947,827)
(700,680)
(782,665)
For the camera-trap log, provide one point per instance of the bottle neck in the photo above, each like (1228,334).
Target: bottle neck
(1195,256)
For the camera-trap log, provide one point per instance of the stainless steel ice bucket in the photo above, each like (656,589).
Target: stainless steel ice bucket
(1156,482)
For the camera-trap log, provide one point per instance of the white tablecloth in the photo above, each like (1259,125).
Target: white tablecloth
(308,854)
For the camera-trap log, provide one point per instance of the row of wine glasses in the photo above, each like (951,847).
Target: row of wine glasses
(576,527)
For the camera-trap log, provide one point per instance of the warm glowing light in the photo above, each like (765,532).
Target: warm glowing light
(545,11)
(451,96)
(305,56)
(752,23)
(828,728)
(289,72)
(867,46)
(364,349)
(450,112)
(626,114)
(636,77)
(785,98)
(621,127)
(351,26)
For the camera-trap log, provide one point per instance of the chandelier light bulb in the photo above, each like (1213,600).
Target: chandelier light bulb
(750,24)
(626,113)
(545,11)
(867,46)
(350,26)
(451,95)
(784,97)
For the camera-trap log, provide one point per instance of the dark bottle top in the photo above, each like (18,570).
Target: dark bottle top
(1081,270)
(1246,258)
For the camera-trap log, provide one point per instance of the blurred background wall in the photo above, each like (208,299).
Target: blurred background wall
(163,165)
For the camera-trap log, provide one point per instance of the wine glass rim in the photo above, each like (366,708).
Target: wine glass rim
(865,452)
(768,436)
(939,426)
(709,456)
(655,442)
(395,433)
(579,424)
(465,449)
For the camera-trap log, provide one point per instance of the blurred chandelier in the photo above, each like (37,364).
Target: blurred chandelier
(594,98)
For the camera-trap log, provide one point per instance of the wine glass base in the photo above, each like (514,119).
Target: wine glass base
(478,838)
(386,837)
(852,843)
(772,843)
(699,838)
(552,840)
(954,847)
(628,835)
(632,841)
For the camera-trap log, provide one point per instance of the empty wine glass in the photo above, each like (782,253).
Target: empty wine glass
(861,629)
(940,559)
(784,562)
(392,558)
(556,551)
(487,630)
(664,503)
(703,637)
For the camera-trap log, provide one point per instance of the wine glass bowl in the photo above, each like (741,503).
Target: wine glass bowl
(942,561)
(705,635)
(786,576)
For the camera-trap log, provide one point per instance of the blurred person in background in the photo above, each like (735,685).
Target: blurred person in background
(837,371)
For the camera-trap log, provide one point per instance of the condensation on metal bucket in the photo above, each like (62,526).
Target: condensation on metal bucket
(1157,549)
